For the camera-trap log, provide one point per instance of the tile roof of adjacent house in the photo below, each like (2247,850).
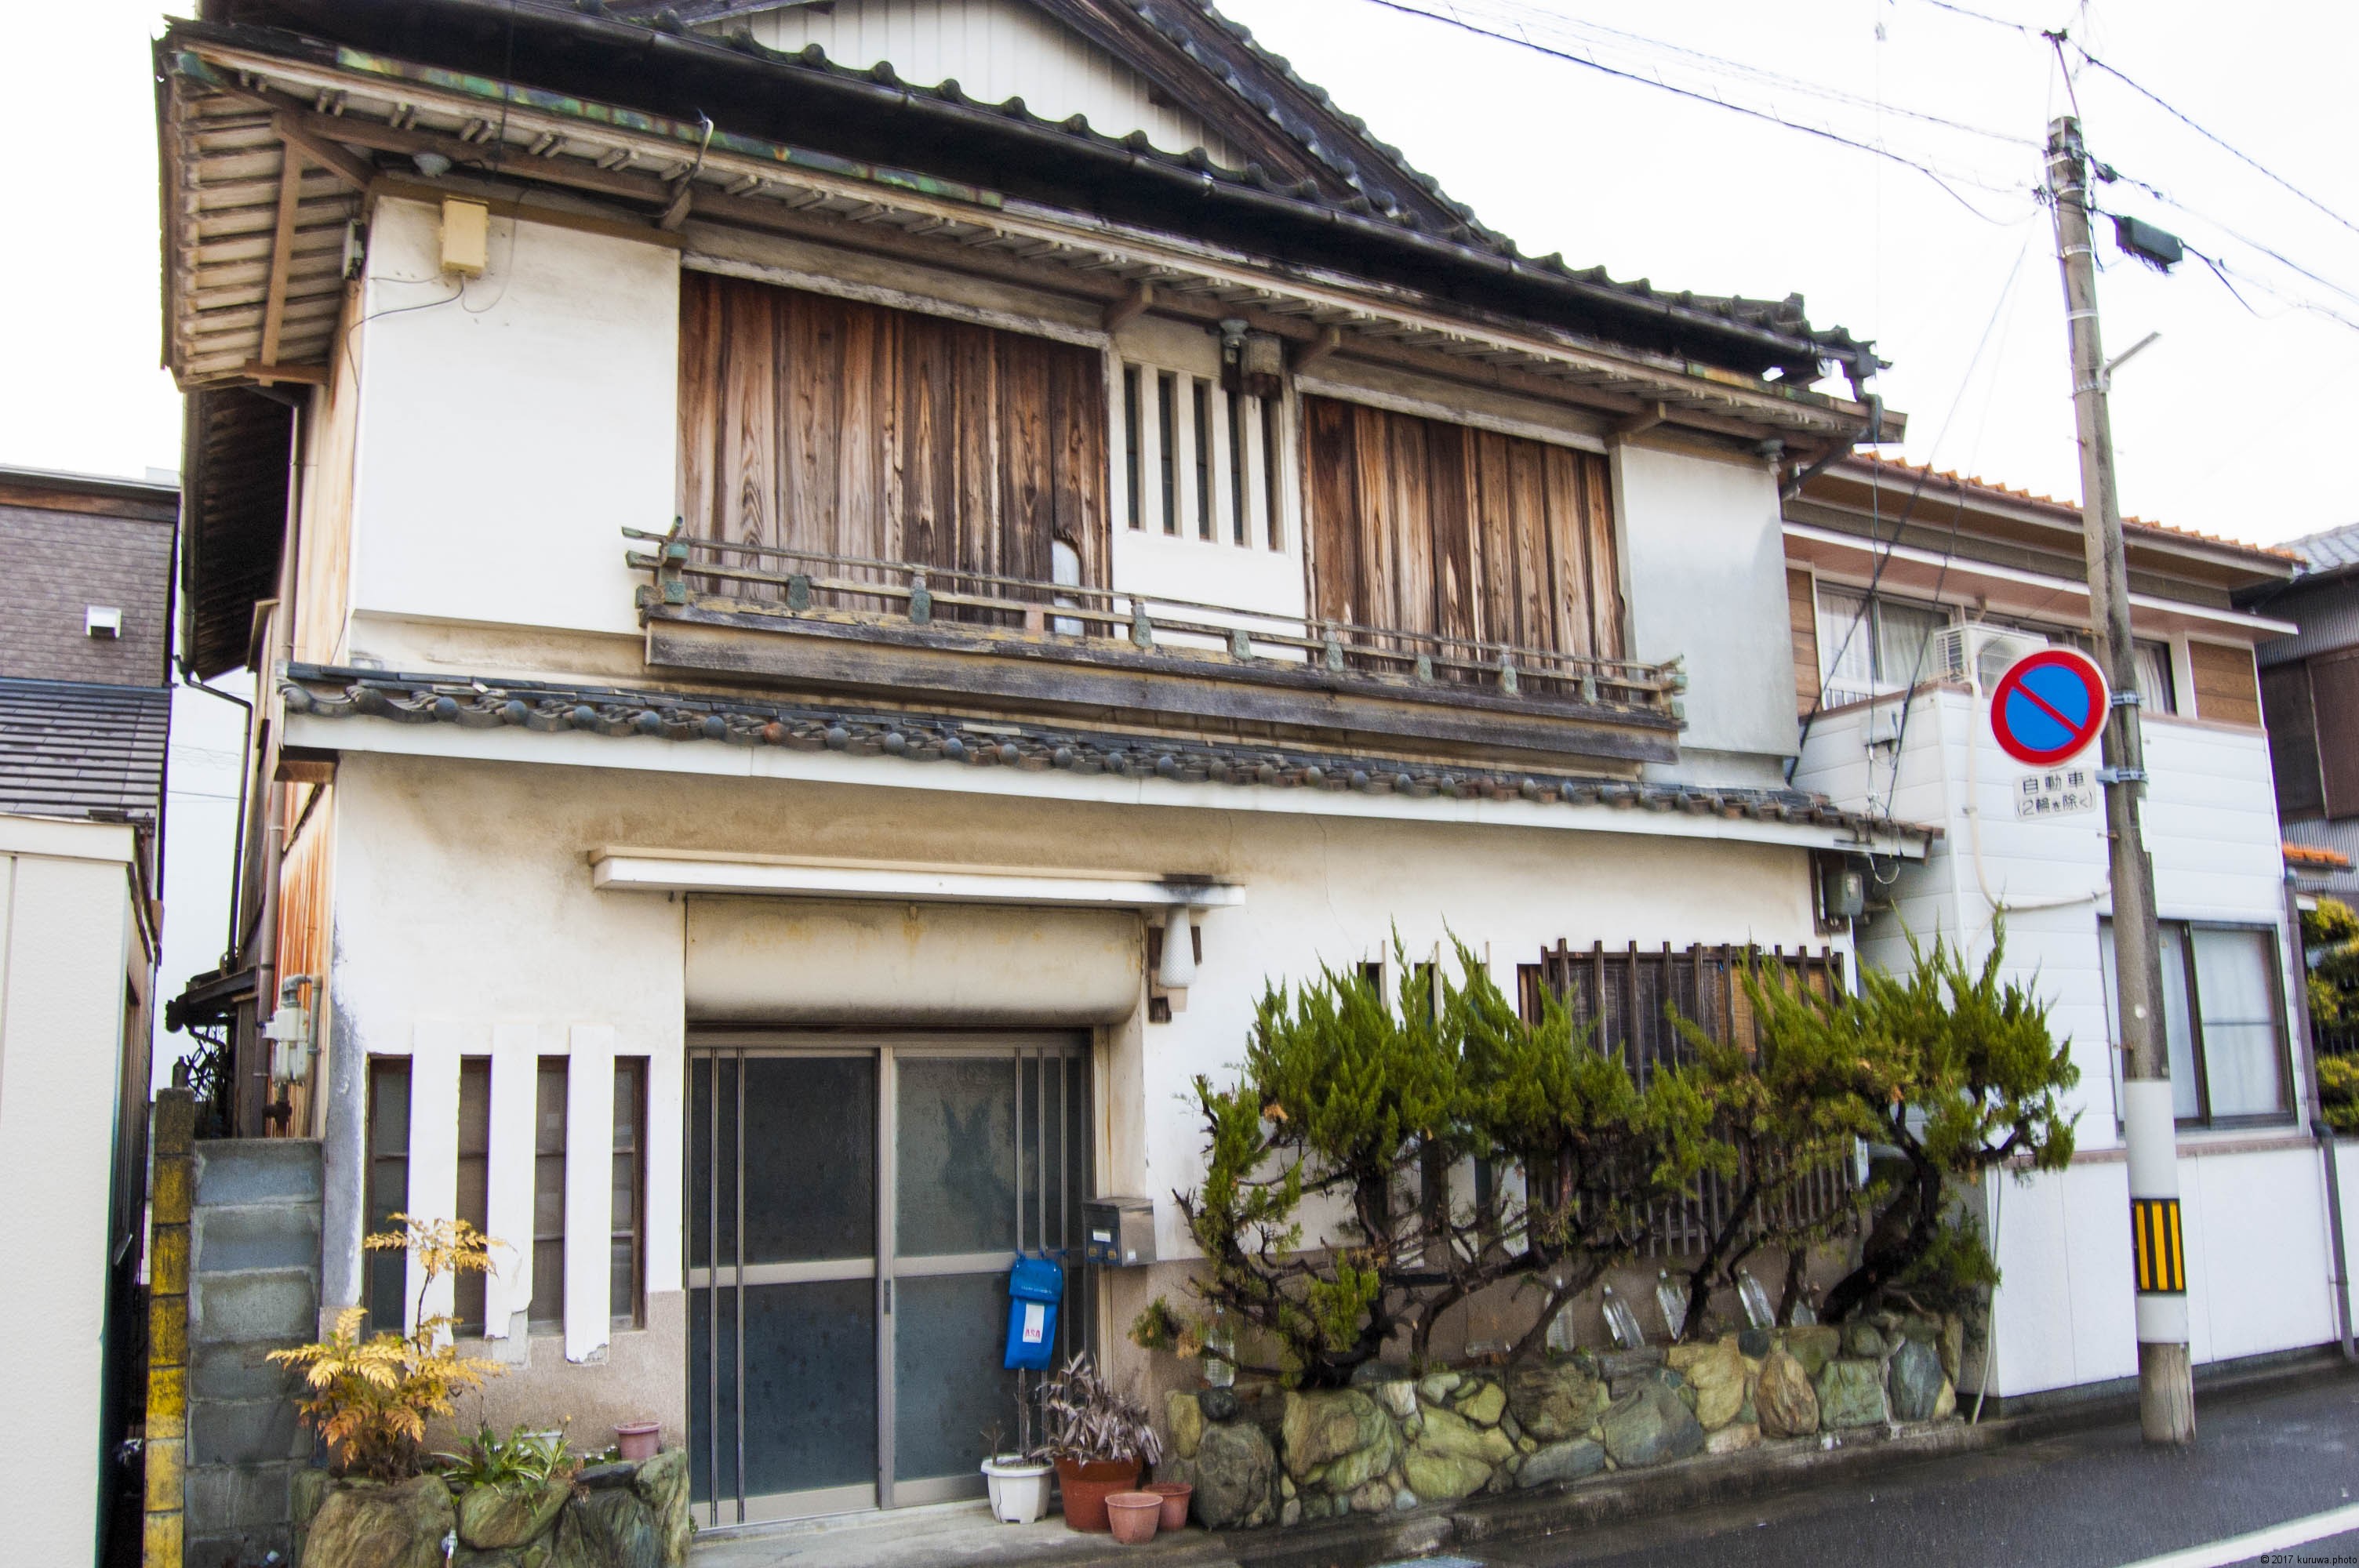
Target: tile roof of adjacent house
(2330,550)
(488,703)
(73,749)
(2316,857)
(2285,552)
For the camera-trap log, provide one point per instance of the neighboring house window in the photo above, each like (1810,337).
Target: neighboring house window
(549,1198)
(474,1179)
(1871,645)
(386,1275)
(627,1245)
(2222,1023)
(2312,709)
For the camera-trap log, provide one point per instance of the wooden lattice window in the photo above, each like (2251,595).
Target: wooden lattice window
(1625,998)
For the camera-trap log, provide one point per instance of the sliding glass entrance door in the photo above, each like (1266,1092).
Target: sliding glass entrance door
(854,1207)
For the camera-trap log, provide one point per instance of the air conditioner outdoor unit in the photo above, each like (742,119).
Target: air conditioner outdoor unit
(1976,655)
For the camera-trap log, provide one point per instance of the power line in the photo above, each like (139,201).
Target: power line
(1939,177)
(2216,140)
(1520,15)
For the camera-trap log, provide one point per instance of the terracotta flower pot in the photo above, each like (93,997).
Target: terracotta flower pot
(1134,1516)
(1174,1495)
(1087,1484)
(637,1439)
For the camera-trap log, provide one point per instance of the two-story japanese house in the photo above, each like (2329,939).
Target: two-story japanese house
(842,584)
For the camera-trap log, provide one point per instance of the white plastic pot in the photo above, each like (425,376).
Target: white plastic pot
(1020,1488)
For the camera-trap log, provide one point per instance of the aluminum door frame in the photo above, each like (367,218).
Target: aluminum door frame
(1016,1046)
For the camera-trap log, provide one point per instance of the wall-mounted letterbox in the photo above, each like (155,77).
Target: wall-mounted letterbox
(1118,1231)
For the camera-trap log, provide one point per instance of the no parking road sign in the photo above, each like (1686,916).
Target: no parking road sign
(2048,707)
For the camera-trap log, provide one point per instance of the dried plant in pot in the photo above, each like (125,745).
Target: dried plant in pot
(1098,1439)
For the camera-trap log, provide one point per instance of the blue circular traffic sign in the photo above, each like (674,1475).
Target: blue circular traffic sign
(2048,705)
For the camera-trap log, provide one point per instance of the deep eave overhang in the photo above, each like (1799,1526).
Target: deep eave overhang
(215,78)
(873,116)
(948,741)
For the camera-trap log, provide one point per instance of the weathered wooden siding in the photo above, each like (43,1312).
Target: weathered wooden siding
(323,598)
(1436,528)
(306,939)
(995,49)
(2225,687)
(1802,616)
(854,429)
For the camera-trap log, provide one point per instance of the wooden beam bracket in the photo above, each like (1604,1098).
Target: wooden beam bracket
(1329,339)
(1130,307)
(354,172)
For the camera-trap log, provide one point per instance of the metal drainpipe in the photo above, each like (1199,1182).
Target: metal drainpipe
(2299,1011)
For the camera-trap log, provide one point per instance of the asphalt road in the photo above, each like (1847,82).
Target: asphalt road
(2095,1499)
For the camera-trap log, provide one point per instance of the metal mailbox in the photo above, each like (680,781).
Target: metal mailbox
(1119,1232)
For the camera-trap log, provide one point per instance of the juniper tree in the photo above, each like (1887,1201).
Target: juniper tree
(1963,1077)
(1786,1107)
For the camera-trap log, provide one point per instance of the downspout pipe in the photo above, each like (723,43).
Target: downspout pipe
(1840,449)
(2329,1146)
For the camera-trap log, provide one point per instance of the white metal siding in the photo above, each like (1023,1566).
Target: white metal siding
(995,49)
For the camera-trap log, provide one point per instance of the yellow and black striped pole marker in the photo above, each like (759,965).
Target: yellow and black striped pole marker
(2158,1256)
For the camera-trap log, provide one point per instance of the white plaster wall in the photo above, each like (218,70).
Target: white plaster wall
(509,429)
(66,942)
(464,910)
(466,927)
(2256,1232)
(1703,561)
(996,50)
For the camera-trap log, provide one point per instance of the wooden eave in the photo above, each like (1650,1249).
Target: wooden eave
(223,101)
(2203,569)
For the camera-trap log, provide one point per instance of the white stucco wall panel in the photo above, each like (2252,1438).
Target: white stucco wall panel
(777,960)
(66,941)
(1703,563)
(466,892)
(510,427)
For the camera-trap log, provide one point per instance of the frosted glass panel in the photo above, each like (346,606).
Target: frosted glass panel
(2239,1027)
(956,1160)
(810,1387)
(950,1335)
(810,1158)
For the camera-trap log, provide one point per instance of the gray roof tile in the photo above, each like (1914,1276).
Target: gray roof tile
(73,749)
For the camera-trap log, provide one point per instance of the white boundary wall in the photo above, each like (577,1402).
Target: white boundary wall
(2254,1204)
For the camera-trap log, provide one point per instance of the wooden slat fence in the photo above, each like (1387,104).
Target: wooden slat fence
(1625,995)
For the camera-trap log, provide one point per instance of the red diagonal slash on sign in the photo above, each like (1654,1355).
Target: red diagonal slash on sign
(2023,690)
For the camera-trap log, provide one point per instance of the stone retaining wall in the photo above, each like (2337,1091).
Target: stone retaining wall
(620,1515)
(1397,1441)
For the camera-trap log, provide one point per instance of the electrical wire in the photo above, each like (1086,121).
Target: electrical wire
(1519,13)
(2213,138)
(1940,177)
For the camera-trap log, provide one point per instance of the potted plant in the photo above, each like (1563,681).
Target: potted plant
(1018,1483)
(1098,1439)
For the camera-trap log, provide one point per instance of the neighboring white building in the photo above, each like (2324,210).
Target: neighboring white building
(1964,578)
(86,604)
(783,640)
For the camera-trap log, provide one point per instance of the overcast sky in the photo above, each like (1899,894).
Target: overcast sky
(2229,424)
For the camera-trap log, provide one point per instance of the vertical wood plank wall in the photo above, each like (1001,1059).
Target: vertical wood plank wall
(1803,616)
(2225,686)
(1463,533)
(855,429)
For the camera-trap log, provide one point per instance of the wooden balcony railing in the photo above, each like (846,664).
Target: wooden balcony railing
(712,583)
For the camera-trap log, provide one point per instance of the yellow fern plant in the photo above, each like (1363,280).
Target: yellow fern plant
(370,1399)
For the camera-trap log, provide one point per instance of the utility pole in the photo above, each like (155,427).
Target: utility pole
(2166,1380)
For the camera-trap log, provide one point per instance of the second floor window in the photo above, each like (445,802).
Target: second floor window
(1200,461)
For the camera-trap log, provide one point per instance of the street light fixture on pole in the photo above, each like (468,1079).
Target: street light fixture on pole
(2166,1384)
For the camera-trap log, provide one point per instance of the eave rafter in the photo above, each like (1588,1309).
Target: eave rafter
(227,101)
